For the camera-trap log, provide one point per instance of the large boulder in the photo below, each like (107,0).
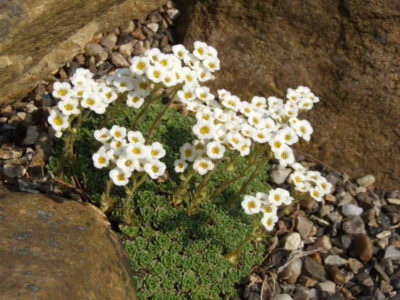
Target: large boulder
(39,36)
(54,248)
(346,51)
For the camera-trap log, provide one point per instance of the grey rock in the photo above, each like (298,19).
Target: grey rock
(335,260)
(293,241)
(353,225)
(32,133)
(292,271)
(8,152)
(365,279)
(391,252)
(118,60)
(366,181)
(351,210)
(314,269)
(153,26)
(327,286)
(173,13)
(279,176)
(283,297)
(304,226)
(14,171)
(26,118)
(393,201)
(109,41)
(97,51)
(126,49)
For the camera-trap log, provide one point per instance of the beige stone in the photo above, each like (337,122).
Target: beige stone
(39,36)
(55,248)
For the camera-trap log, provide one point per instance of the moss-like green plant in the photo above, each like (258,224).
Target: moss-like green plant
(173,255)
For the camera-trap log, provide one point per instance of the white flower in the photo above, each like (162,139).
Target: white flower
(293,96)
(203,93)
(236,140)
(269,209)
(124,83)
(155,73)
(134,100)
(251,205)
(142,86)
(204,129)
(169,79)
(136,150)
(69,107)
(303,129)
(211,51)
(187,93)
(261,136)
(180,166)
(108,95)
(117,144)
(259,102)
(61,90)
(212,64)
(232,102)
(180,51)
(58,120)
(100,160)
(187,152)
(102,135)
(119,177)
(215,150)
(135,137)
(278,196)
(297,178)
(257,120)
(203,75)
(200,50)
(139,65)
(154,168)
(246,108)
(203,165)
(313,176)
(166,60)
(305,104)
(118,132)
(126,164)
(156,150)
(285,156)
(90,100)
(288,135)
(316,193)
(269,221)
(324,185)
(303,91)
(276,143)
(153,54)
(188,75)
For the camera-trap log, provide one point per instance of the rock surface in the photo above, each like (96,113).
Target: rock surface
(54,248)
(345,51)
(38,36)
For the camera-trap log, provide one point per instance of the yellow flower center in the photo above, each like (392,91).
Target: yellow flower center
(154,152)
(277,197)
(62,92)
(128,163)
(215,150)
(284,155)
(251,205)
(101,160)
(156,74)
(136,151)
(203,165)
(121,177)
(154,169)
(108,95)
(188,153)
(204,130)
(68,106)
(89,101)
(58,121)
(140,65)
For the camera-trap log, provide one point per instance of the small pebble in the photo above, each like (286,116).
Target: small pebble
(335,260)
(391,252)
(283,297)
(293,241)
(363,247)
(394,201)
(118,60)
(366,181)
(327,286)
(351,210)
(279,176)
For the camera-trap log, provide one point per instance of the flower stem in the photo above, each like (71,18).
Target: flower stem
(199,193)
(136,183)
(256,171)
(233,255)
(176,198)
(162,113)
(107,202)
(152,97)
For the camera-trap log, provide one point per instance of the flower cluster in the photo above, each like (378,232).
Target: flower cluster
(84,93)
(267,204)
(311,182)
(126,152)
